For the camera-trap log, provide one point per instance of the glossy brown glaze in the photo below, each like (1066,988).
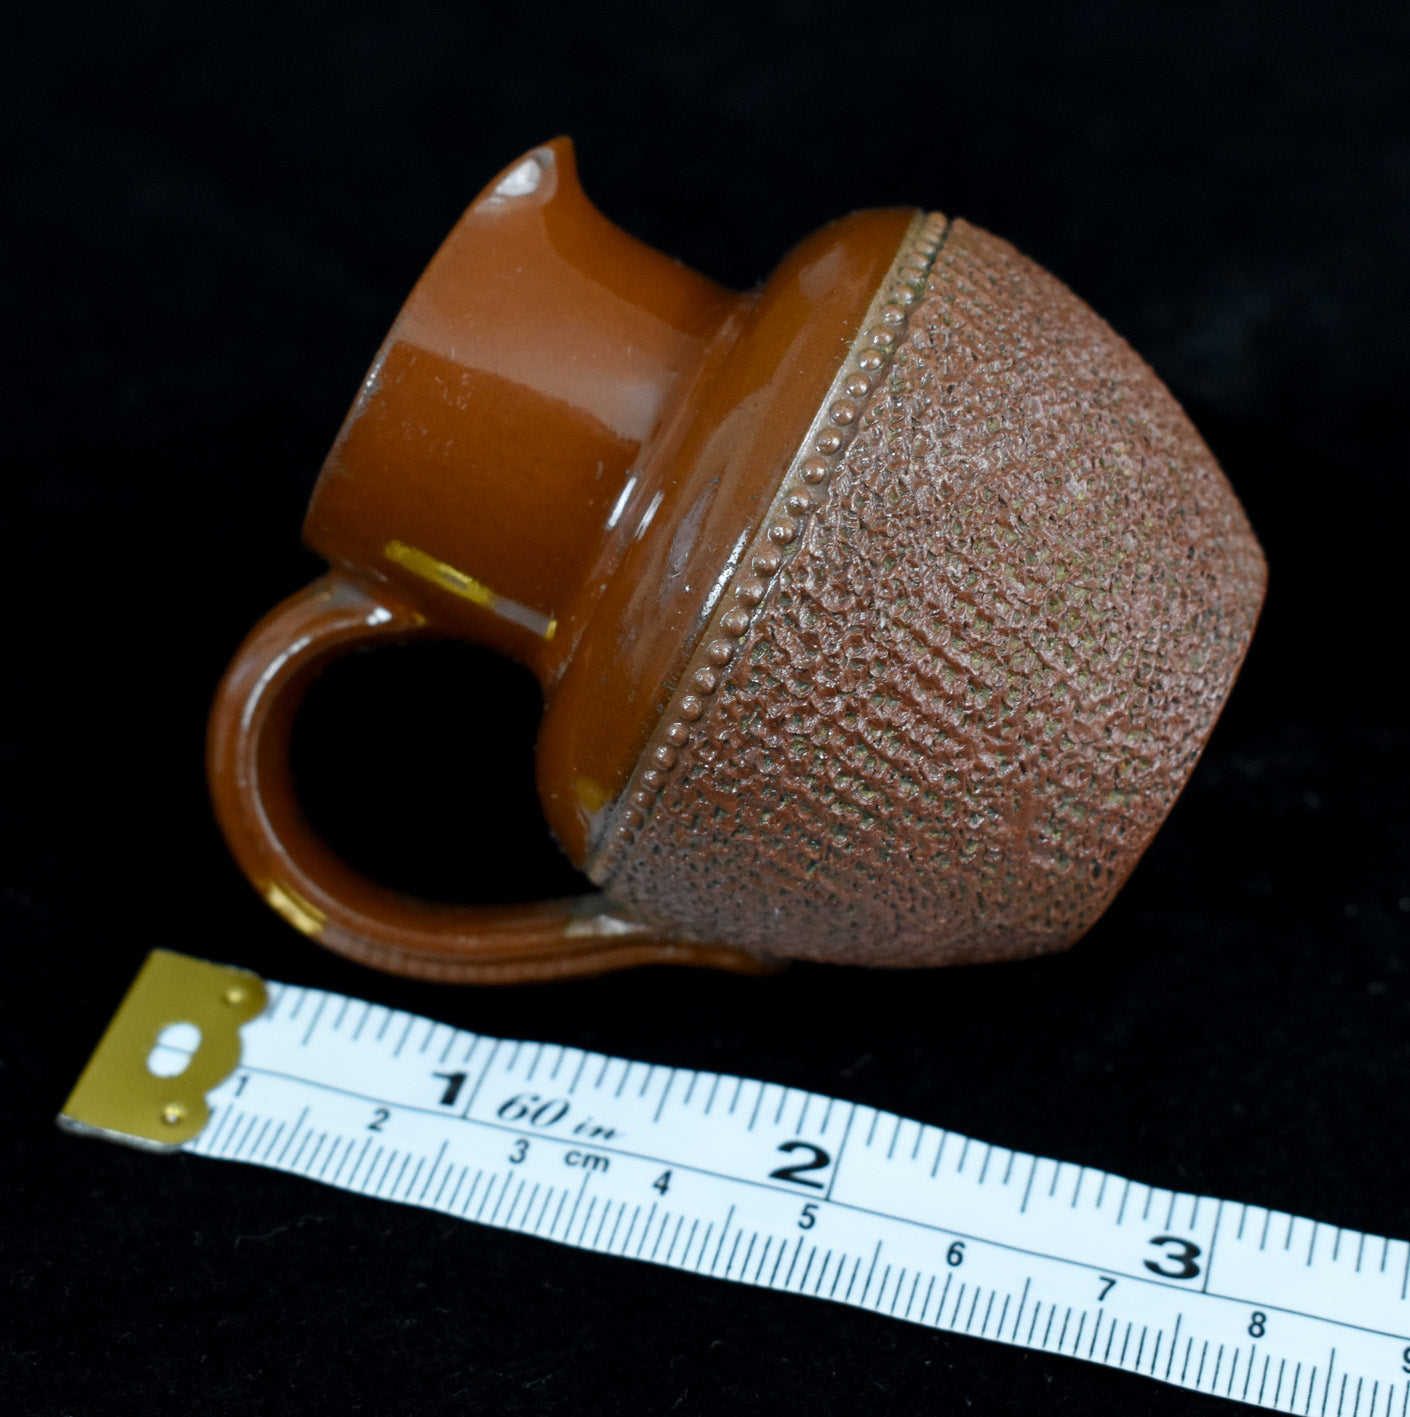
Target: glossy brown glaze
(317,893)
(497,427)
(880,615)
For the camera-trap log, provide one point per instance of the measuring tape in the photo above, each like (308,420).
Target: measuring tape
(756,1183)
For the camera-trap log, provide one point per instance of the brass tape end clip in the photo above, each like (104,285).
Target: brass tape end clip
(175,1036)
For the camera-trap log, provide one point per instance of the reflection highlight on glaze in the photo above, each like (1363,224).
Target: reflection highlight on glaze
(649,515)
(523,180)
(621,504)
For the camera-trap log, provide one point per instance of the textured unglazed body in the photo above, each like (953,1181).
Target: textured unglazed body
(982,667)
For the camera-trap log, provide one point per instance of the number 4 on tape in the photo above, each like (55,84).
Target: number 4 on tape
(756,1183)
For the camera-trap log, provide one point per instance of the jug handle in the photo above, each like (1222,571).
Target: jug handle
(298,874)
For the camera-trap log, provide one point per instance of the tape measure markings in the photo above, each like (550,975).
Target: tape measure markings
(798,1192)
(1058,1170)
(1033,1337)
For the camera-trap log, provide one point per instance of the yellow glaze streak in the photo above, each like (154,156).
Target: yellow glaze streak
(300,913)
(423,564)
(589,794)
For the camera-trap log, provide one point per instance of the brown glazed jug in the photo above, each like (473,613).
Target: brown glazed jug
(880,613)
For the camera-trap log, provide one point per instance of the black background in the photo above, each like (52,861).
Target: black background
(212,214)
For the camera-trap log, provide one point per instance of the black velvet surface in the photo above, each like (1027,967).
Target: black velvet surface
(212,214)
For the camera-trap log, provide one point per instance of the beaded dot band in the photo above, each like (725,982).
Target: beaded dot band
(802,490)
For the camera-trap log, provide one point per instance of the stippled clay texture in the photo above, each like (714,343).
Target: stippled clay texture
(975,688)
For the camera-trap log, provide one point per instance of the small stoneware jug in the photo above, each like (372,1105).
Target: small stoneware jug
(880,613)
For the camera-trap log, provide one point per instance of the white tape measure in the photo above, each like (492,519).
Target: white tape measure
(763,1185)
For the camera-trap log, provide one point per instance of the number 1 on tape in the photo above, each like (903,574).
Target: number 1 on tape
(760,1184)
